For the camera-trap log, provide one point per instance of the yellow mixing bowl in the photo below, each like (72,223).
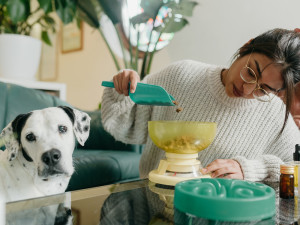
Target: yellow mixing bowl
(182,137)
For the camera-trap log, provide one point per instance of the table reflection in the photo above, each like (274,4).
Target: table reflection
(134,203)
(154,205)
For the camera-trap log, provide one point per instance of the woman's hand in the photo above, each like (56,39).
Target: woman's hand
(122,79)
(224,168)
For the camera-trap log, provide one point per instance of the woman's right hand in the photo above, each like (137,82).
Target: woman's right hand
(122,79)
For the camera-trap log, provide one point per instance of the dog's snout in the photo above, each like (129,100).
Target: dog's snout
(52,157)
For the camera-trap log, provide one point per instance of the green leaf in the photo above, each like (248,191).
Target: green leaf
(113,9)
(18,10)
(151,7)
(88,11)
(184,8)
(65,9)
(172,25)
(3,2)
(45,38)
(49,20)
(46,5)
(141,18)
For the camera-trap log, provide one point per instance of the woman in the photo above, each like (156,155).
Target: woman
(296,106)
(255,133)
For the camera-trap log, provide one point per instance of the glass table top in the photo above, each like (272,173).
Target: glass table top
(140,202)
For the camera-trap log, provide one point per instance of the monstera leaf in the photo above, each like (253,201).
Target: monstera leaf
(151,7)
(176,21)
(172,25)
(150,10)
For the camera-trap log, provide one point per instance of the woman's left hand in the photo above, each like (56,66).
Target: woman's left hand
(224,168)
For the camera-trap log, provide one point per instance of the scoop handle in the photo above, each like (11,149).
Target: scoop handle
(108,84)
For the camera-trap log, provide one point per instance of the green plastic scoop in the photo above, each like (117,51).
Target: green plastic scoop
(147,94)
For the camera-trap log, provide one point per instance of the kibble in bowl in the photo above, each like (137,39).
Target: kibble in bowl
(182,137)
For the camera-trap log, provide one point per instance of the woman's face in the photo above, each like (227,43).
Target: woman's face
(268,75)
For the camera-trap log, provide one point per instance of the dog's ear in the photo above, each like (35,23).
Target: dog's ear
(81,123)
(11,135)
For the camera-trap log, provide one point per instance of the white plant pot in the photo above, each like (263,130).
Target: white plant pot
(19,56)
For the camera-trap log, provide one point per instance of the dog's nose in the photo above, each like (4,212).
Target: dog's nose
(52,157)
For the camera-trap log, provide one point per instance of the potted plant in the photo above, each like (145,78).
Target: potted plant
(135,30)
(20,53)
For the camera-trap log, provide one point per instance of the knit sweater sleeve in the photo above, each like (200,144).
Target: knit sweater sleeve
(123,119)
(267,166)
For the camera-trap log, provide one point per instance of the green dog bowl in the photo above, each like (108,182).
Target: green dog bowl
(225,199)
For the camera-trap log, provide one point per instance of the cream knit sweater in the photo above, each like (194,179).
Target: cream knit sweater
(247,129)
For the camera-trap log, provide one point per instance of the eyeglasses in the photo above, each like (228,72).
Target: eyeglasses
(261,92)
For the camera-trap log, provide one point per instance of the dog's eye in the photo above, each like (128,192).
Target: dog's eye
(30,137)
(62,129)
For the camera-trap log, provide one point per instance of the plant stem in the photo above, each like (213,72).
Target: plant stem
(130,48)
(129,34)
(152,54)
(137,48)
(143,72)
(110,50)
(122,46)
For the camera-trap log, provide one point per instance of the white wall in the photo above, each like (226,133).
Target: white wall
(219,27)
(216,30)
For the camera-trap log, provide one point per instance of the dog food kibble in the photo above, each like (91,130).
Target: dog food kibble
(178,109)
(186,144)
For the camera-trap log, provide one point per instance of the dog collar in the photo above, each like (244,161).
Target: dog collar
(26,156)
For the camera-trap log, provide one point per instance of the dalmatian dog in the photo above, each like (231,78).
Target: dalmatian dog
(38,156)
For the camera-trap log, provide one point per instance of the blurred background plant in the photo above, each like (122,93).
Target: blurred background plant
(135,30)
(21,16)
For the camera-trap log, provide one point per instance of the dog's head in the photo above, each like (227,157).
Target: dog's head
(47,138)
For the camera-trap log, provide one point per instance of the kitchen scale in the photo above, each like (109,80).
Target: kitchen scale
(181,140)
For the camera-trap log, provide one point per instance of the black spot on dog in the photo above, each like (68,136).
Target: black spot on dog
(63,215)
(18,123)
(59,184)
(79,127)
(12,155)
(11,165)
(24,165)
(69,212)
(69,112)
(26,156)
(3,132)
(83,118)
(86,128)
(18,179)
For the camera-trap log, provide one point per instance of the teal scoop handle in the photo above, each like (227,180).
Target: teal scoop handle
(147,94)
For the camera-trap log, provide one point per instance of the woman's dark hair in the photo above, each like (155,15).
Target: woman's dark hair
(283,48)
